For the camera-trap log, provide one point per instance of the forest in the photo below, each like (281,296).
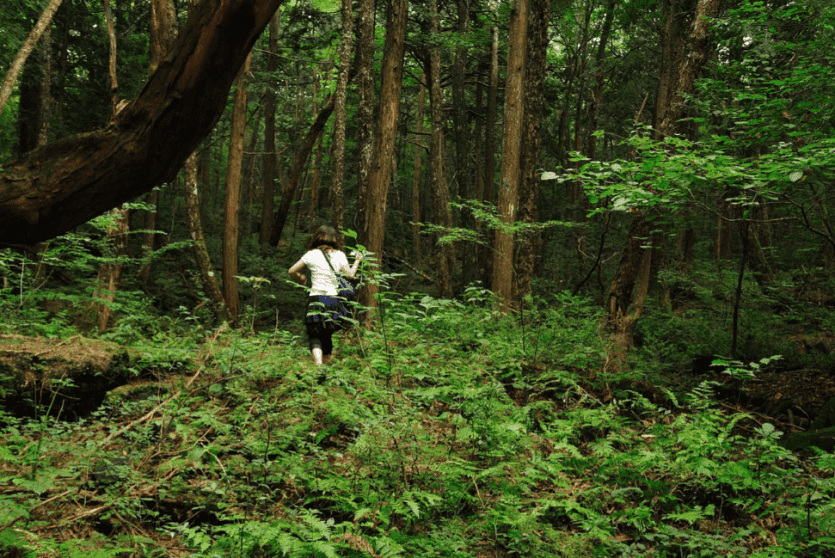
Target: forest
(595,313)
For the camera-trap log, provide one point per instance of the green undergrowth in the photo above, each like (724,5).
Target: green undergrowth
(449,431)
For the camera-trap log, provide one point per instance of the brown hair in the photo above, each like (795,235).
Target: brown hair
(324,236)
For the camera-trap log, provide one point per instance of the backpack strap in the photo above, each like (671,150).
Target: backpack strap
(327,259)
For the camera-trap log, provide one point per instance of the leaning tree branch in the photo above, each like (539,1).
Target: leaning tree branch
(51,189)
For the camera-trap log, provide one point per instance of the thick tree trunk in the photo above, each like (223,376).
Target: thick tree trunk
(698,50)
(270,156)
(620,291)
(508,196)
(372,211)
(437,177)
(20,58)
(54,188)
(195,228)
(416,175)
(233,191)
(530,242)
(337,201)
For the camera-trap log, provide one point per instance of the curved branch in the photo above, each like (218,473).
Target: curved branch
(50,190)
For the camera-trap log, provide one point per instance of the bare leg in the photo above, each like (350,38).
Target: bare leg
(317,356)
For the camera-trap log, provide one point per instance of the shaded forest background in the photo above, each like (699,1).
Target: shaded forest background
(574,213)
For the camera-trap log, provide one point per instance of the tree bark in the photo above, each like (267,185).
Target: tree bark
(195,228)
(365,88)
(20,58)
(599,80)
(337,201)
(163,32)
(508,196)
(233,191)
(51,189)
(110,274)
(485,254)
(437,178)
(620,293)
(46,103)
(248,178)
(270,156)
(372,210)
(464,175)
(313,202)
(416,175)
(698,49)
(530,242)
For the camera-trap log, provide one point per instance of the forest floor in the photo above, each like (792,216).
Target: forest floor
(447,432)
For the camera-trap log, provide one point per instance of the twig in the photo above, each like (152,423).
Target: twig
(148,416)
(48,500)
(88,513)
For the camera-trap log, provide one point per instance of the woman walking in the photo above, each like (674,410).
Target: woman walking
(324,258)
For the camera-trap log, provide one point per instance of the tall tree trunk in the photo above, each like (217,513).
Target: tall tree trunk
(623,321)
(372,210)
(270,156)
(478,169)
(365,88)
(670,51)
(530,244)
(110,275)
(485,256)
(464,171)
(416,176)
(195,227)
(599,79)
(248,179)
(163,32)
(204,178)
(45,116)
(337,201)
(508,197)
(233,190)
(578,196)
(437,177)
(20,58)
(313,203)
(698,50)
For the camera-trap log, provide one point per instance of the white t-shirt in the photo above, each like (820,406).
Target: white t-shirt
(323,281)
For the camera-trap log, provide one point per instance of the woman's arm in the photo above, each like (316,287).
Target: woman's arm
(296,272)
(350,272)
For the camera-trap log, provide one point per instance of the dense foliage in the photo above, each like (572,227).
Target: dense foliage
(448,432)
(446,428)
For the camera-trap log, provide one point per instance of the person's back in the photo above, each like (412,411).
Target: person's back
(323,310)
